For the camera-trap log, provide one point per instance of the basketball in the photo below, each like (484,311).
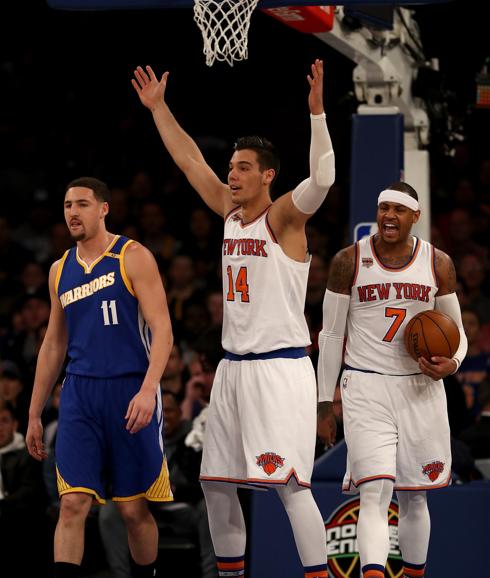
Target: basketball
(431,333)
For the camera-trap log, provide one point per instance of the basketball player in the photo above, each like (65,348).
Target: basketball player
(106,298)
(261,421)
(395,416)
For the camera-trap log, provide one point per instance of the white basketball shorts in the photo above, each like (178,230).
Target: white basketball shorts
(396,427)
(261,424)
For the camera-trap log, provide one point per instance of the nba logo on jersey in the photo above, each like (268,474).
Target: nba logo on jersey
(362,230)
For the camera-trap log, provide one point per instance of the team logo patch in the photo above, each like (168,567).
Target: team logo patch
(433,470)
(367,262)
(236,217)
(342,547)
(269,462)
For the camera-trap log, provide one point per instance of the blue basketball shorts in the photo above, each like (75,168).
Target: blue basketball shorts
(95,454)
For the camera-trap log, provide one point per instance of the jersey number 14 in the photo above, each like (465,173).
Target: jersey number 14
(238,285)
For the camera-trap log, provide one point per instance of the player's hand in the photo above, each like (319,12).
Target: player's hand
(150,90)
(315,98)
(140,410)
(438,367)
(326,424)
(34,440)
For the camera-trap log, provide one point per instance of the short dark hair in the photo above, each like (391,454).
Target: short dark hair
(404,188)
(100,189)
(267,155)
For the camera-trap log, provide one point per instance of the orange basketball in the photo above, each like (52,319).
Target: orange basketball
(431,333)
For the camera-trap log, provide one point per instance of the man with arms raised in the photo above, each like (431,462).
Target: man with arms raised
(261,421)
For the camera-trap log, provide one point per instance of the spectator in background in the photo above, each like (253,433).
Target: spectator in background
(22,502)
(153,228)
(12,392)
(182,289)
(471,270)
(23,348)
(476,365)
(60,241)
(477,436)
(461,232)
(214,304)
(120,216)
(33,278)
(172,379)
(202,245)
(33,234)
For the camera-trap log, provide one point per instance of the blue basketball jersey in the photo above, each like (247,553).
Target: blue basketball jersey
(107,335)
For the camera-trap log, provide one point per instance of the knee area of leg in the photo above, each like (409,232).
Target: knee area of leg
(376,491)
(75,506)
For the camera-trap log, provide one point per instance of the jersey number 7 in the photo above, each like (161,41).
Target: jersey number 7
(239,286)
(399,316)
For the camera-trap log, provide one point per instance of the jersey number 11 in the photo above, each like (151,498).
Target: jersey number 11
(109,312)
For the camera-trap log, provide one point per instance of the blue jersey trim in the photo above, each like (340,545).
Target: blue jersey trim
(287,352)
(379,373)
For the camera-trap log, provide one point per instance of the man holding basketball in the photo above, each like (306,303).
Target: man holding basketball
(395,415)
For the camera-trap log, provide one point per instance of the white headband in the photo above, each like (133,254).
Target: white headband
(391,196)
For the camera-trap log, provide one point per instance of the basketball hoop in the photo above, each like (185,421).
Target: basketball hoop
(224,27)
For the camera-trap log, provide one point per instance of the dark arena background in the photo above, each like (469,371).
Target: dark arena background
(68,109)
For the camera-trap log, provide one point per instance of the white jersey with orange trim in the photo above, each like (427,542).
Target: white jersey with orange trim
(383,300)
(264,290)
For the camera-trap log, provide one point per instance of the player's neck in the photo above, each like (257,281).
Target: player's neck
(91,249)
(398,249)
(250,210)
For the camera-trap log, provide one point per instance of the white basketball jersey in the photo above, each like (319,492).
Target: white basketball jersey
(383,300)
(264,290)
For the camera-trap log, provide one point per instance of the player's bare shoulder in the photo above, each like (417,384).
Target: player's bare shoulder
(342,268)
(445,272)
(137,256)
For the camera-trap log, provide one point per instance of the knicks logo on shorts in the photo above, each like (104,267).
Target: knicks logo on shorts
(433,470)
(269,462)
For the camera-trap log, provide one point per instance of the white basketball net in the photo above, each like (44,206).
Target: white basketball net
(224,27)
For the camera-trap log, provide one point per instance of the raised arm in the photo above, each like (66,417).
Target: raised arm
(181,147)
(447,302)
(291,211)
(145,279)
(49,363)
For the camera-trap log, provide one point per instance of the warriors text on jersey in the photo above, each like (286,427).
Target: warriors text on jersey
(107,335)
(264,290)
(383,300)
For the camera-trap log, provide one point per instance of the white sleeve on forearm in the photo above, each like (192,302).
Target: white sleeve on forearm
(449,305)
(310,194)
(331,342)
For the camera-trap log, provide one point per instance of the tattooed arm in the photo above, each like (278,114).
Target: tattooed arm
(446,273)
(341,273)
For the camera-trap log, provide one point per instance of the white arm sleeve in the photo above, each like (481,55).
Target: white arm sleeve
(310,194)
(449,305)
(331,342)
